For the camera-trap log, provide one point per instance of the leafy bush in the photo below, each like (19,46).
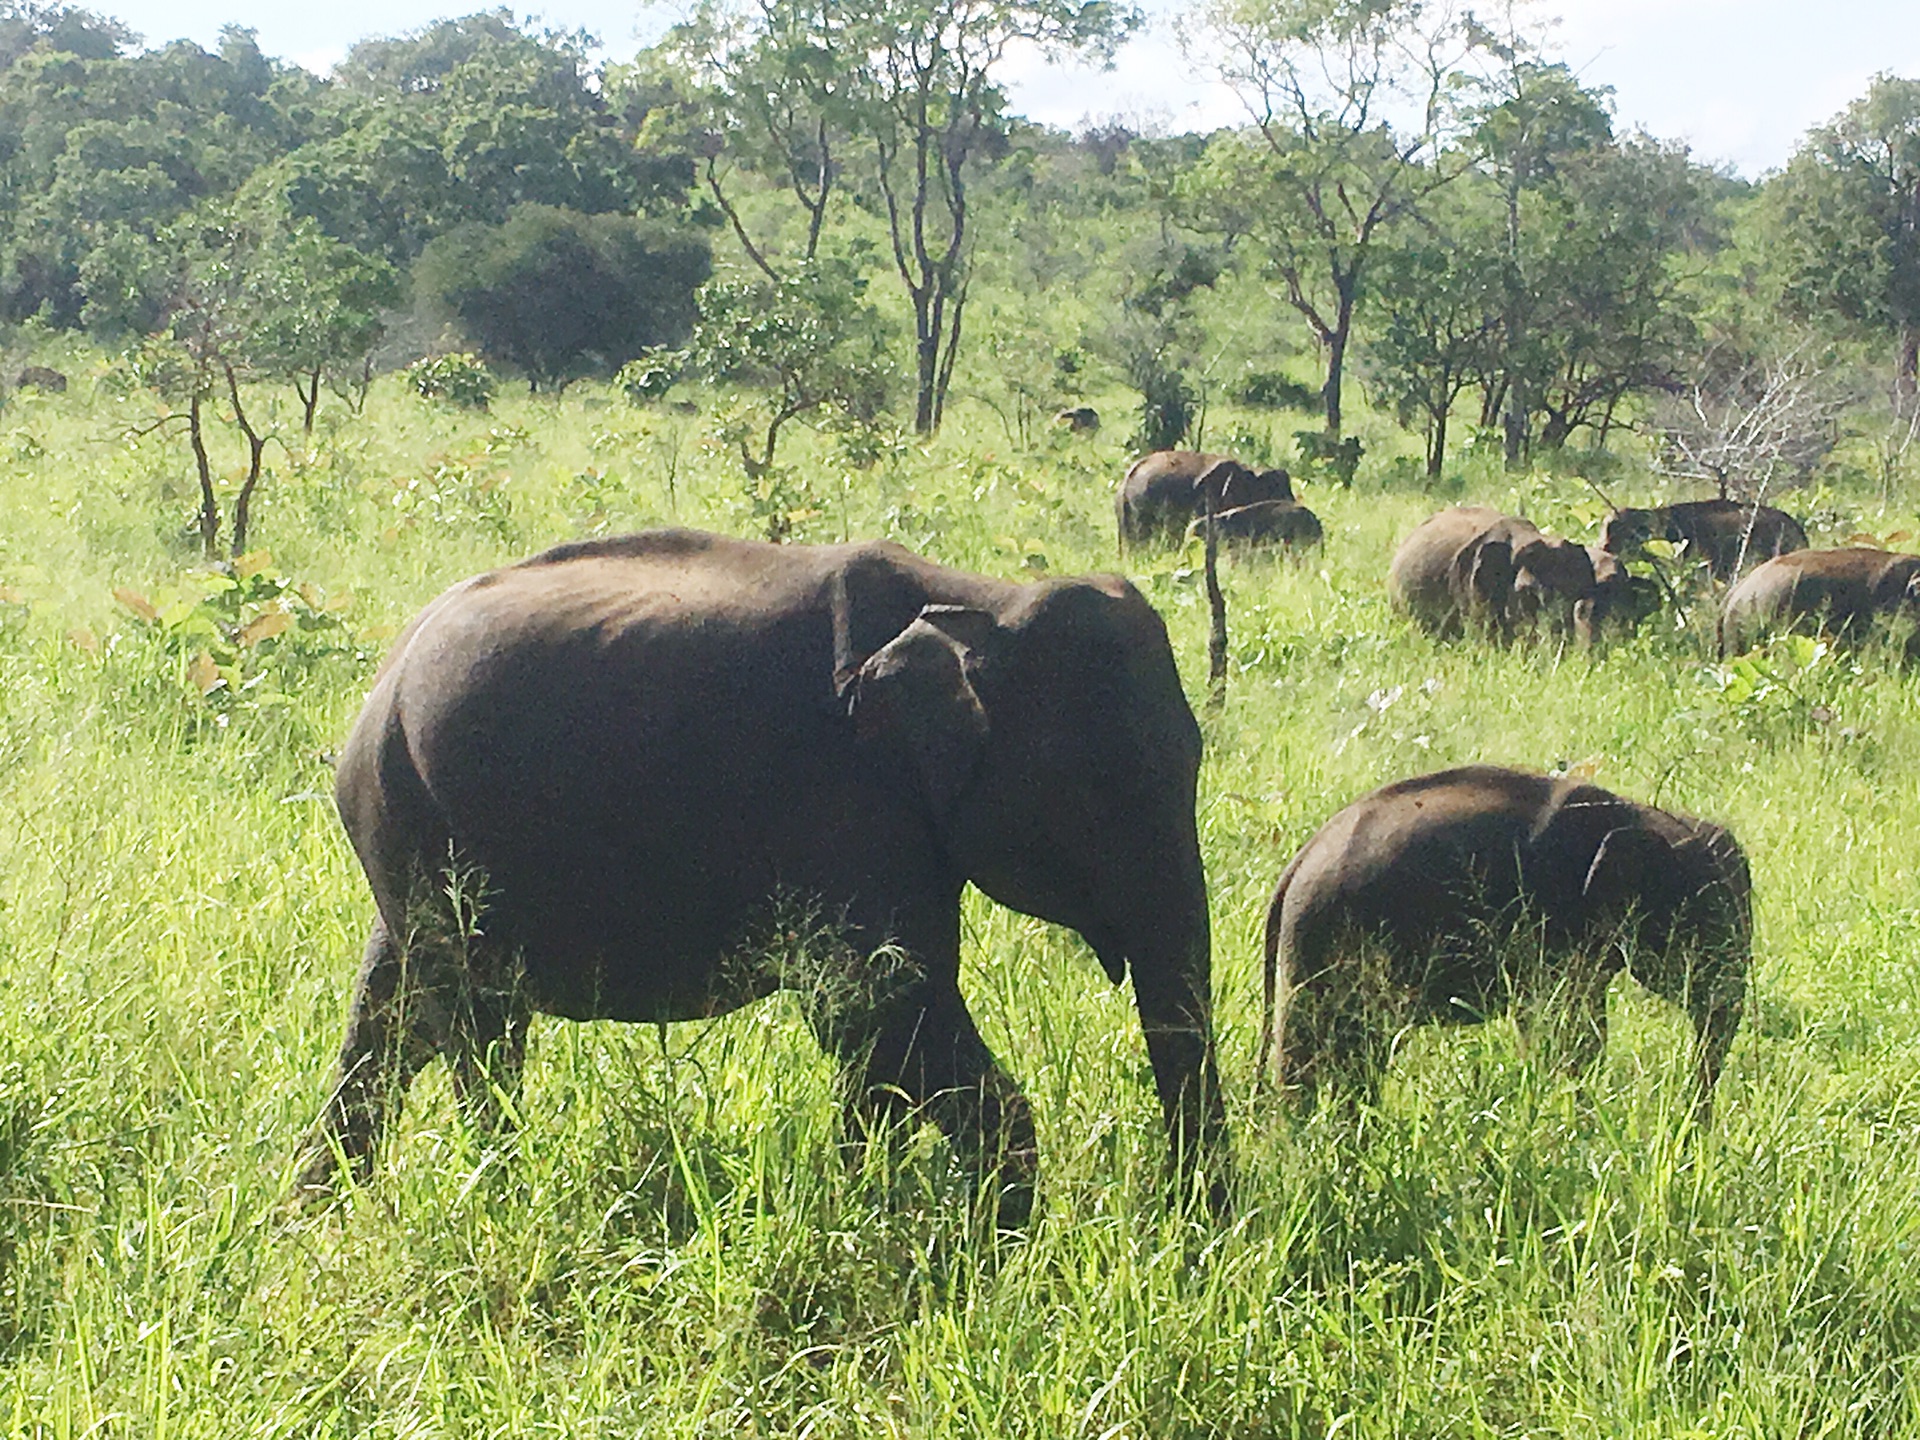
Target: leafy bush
(1327,459)
(243,636)
(1271,390)
(556,294)
(649,376)
(461,378)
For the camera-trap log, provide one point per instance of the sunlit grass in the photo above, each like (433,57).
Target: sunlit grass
(673,1244)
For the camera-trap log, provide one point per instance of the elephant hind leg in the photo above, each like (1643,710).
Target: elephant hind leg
(412,1002)
(387,1043)
(920,1055)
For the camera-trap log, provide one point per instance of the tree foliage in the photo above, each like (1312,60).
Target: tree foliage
(557,294)
(1846,222)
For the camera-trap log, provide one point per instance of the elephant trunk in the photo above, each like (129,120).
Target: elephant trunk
(1173,991)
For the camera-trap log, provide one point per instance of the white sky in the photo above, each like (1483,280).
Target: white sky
(1739,80)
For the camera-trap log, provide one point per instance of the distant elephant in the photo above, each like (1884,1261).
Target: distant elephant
(1726,534)
(1275,522)
(1078,420)
(1163,491)
(1453,897)
(1844,592)
(642,761)
(1474,565)
(41,377)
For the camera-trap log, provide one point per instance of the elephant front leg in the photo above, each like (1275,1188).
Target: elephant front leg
(919,1054)
(1569,1009)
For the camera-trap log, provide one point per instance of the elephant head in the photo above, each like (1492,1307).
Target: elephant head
(1059,762)
(1626,531)
(1619,599)
(1680,887)
(1550,578)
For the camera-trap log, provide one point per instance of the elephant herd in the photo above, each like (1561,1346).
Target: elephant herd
(618,779)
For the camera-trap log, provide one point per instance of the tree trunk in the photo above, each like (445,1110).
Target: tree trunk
(1216,603)
(209,502)
(309,399)
(1906,371)
(926,358)
(1437,442)
(1337,337)
(256,448)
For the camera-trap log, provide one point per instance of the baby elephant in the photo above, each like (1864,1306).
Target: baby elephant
(1269,522)
(1452,897)
(1844,592)
(1729,536)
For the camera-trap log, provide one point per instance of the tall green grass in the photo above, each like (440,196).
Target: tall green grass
(672,1244)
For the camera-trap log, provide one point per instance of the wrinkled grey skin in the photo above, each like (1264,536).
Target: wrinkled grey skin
(1165,490)
(1269,522)
(1453,897)
(643,754)
(1475,567)
(1728,536)
(1078,419)
(1846,593)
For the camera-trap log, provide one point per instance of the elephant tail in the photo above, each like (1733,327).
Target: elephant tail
(1267,1071)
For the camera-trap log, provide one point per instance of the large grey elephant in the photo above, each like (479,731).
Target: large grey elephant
(1164,490)
(636,759)
(1452,897)
(1726,535)
(1472,565)
(1844,592)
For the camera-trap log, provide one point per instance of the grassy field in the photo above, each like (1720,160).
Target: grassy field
(672,1246)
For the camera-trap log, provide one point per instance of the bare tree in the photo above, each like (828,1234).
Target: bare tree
(1750,428)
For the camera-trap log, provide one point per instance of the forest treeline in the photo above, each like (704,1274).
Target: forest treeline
(830,208)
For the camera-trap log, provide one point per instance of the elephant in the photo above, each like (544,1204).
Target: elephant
(1164,490)
(1726,534)
(1078,420)
(1620,599)
(1280,522)
(1475,565)
(646,754)
(1844,592)
(1452,897)
(41,377)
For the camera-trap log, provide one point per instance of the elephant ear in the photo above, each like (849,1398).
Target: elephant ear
(1219,483)
(1625,863)
(1560,564)
(916,694)
(1483,571)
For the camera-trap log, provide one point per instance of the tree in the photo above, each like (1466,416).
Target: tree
(913,82)
(557,294)
(1442,297)
(777,100)
(62,29)
(1320,176)
(1846,215)
(318,308)
(810,343)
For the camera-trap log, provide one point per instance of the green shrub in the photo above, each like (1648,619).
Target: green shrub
(462,378)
